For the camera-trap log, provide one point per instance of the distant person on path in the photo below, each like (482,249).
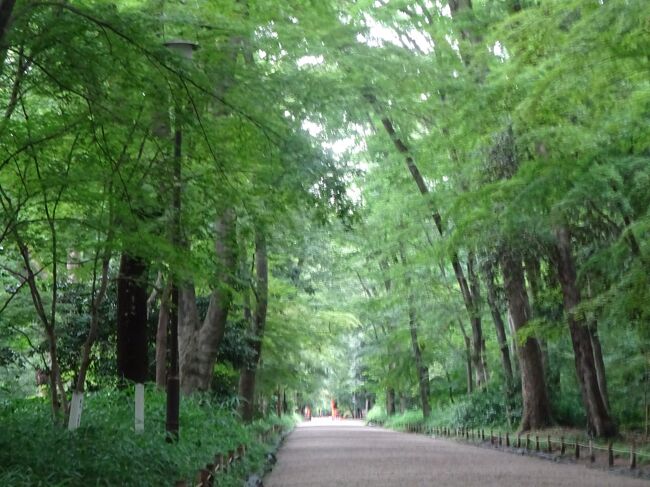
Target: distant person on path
(335,412)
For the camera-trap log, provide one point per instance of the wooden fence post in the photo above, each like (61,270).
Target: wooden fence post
(632,457)
(527,441)
(610,454)
(202,477)
(518,440)
(577,449)
(592,456)
(562,446)
(507,440)
(500,440)
(536,442)
(548,444)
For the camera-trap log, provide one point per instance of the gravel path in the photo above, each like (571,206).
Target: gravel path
(347,453)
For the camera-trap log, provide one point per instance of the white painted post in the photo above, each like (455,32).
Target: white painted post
(76,406)
(139,408)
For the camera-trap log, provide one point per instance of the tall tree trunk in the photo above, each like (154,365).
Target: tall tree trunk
(6,10)
(98,295)
(421,369)
(132,361)
(57,391)
(161,338)
(599,362)
(199,343)
(247,376)
(278,403)
(390,401)
(532,270)
(468,365)
(598,418)
(598,352)
(536,408)
(493,303)
(478,342)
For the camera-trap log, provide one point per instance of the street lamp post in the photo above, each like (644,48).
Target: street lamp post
(185,49)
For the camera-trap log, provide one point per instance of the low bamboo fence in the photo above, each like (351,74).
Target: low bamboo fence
(224,461)
(569,448)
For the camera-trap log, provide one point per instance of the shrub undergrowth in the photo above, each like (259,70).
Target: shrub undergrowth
(105,450)
(484,409)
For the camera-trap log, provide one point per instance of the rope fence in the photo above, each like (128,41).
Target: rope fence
(222,462)
(546,444)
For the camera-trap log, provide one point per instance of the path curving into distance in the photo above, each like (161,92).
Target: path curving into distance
(347,453)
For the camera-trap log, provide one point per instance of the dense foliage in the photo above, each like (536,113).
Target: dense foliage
(433,208)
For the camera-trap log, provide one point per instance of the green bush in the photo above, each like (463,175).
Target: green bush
(485,408)
(377,415)
(481,409)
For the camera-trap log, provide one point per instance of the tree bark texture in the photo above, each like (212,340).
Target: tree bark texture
(499,326)
(247,376)
(6,9)
(468,365)
(161,339)
(246,393)
(600,363)
(97,300)
(132,361)
(478,342)
(57,391)
(390,401)
(536,407)
(421,369)
(598,419)
(199,341)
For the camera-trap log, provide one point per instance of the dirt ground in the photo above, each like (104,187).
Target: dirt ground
(347,453)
